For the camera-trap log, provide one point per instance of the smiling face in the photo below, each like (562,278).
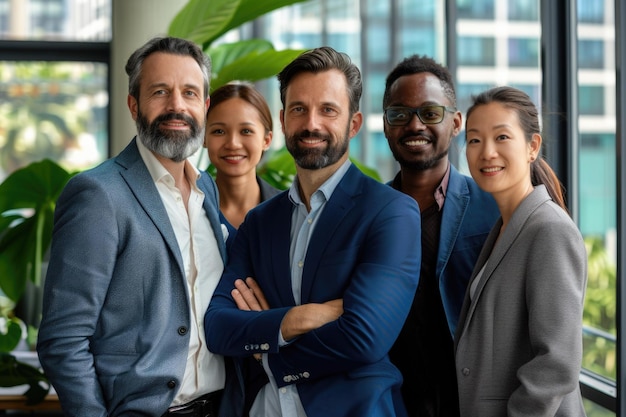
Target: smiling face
(498,153)
(170,111)
(316,119)
(417,145)
(235,137)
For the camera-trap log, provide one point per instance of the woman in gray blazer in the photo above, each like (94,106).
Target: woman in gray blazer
(518,344)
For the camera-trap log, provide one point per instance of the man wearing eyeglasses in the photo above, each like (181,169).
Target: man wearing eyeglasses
(420,121)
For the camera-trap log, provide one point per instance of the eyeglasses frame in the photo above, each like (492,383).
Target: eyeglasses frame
(415,111)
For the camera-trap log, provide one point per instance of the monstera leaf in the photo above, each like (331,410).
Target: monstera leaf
(204,21)
(27,201)
(252,60)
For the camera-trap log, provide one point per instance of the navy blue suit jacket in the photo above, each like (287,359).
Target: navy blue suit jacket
(365,249)
(468,215)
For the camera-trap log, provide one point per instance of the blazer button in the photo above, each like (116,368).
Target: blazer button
(171,384)
(465,371)
(182,330)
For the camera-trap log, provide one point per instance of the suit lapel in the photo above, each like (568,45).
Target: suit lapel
(339,205)
(279,249)
(452,217)
(494,251)
(142,186)
(212,211)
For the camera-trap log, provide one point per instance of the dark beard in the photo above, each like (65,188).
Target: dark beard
(316,158)
(173,145)
(421,165)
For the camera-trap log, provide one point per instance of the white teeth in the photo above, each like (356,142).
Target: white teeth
(416,142)
(311,141)
(495,169)
(234,158)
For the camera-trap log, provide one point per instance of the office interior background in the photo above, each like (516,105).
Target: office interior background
(60,99)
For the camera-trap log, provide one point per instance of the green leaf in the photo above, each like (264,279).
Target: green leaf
(24,235)
(204,21)
(34,185)
(14,373)
(10,339)
(255,66)
(226,53)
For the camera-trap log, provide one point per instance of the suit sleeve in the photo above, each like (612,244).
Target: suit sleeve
(381,271)
(83,251)
(555,288)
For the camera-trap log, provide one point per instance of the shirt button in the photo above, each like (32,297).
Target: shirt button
(182,330)
(300,264)
(171,384)
(309,220)
(283,390)
(465,371)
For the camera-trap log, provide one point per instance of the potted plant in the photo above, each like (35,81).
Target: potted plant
(27,200)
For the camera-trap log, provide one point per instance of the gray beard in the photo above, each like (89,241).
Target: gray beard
(176,146)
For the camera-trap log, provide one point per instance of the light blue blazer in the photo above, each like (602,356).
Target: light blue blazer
(365,249)
(114,336)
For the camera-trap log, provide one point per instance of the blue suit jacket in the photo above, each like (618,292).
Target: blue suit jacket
(364,249)
(114,339)
(468,215)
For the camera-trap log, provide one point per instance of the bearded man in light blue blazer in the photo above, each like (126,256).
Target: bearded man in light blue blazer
(137,251)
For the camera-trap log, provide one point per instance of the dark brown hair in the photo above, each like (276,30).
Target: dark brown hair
(323,59)
(249,94)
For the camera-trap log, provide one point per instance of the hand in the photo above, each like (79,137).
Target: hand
(248,295)
(304,318)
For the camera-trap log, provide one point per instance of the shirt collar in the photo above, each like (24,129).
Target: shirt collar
(440,191)
(325,189)
(157,170)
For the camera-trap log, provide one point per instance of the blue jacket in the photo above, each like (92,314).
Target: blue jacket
(468,215)
(364,249)
(113,338)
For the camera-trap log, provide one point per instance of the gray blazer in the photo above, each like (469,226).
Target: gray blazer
(518,344)
(114,336)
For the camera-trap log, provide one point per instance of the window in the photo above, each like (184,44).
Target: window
(591,100)
(477,51)
(475,9)
(523,52)
(591,53)
(55,110)
(523,10)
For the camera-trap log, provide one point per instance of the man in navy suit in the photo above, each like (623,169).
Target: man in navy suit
(420,123)
(137,251)
(321,277)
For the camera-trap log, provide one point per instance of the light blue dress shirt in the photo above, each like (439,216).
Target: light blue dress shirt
(285,402)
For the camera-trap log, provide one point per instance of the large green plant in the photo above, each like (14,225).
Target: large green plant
(27,200)
(204,22)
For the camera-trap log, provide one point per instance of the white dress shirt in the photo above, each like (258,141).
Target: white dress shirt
(204,371)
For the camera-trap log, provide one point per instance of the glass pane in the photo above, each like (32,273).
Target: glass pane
(52,110)
(55,20)
(597,185)
(524,52)
(477,51)
(475,9)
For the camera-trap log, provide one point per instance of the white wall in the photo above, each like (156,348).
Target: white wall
(133,23)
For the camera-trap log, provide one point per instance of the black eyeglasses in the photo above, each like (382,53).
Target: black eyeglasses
(429,115)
